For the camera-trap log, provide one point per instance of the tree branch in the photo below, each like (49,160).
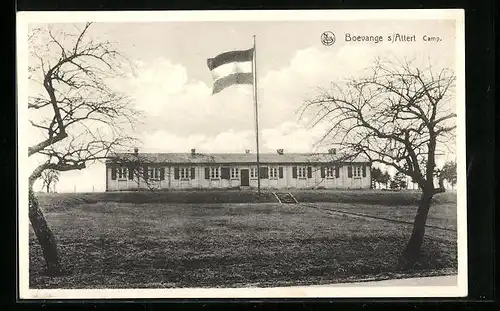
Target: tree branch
(44,144)
(391,116)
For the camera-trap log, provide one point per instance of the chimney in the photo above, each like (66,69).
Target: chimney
(332,151)
(193,151)
(136,150)
(247,151)
(279,151)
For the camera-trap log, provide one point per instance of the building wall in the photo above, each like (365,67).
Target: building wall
(199,180)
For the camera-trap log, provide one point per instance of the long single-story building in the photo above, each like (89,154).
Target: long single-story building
(132,171)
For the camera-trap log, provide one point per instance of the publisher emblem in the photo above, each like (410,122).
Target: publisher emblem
(328,38)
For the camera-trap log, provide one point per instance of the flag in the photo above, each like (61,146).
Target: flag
(234,67)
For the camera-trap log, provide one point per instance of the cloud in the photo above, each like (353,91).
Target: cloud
(163,141)
(182,113)
(230,141)
(173,102)
(291,136)
(176,104)
(151,84)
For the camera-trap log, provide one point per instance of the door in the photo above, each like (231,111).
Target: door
(245,177)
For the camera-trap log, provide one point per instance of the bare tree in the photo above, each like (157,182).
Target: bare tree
(399,115)
(49,177)
(79,116)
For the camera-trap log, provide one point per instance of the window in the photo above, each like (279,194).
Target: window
(235,173)
(273,173)
(329,172)
(184,172)
(253,172)
(301,172)
(214,173)
(154,173)
(122,172)
(356,171)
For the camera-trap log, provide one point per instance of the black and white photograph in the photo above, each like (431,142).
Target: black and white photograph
(236,154)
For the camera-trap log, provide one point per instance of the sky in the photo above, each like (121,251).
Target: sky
(172,85)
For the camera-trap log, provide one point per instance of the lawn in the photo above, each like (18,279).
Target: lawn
(371,196)
(386,198)
(441,215)
(117,244)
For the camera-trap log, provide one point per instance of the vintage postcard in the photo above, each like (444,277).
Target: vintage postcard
(245,154)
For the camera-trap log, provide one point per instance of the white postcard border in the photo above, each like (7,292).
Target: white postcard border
(334,291)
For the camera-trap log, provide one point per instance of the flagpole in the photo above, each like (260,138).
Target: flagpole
(254,69)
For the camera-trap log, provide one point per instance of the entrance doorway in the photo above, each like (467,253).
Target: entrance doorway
(245,181)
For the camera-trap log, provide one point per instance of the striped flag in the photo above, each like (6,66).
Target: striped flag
(234,67)
(238,67)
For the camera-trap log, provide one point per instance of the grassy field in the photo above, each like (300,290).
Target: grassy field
(441,215)
(388,198)
(368,196)
(112,241)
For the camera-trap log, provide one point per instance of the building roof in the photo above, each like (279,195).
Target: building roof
(229,158)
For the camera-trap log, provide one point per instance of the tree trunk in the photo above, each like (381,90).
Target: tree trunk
(412,250)
(48,188)
(44,236)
